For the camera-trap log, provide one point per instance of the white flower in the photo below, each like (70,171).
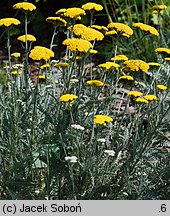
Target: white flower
(28,130)
(74,80)
(110,152)
(37,192)
(21,102)
(88,114)
(78,127)
(54,61)
(18,66)
(124,193)
(6,67)
(48,86)
(102,140)
(72,159)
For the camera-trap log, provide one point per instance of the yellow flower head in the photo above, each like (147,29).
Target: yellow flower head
(136,65)
(77,45)
(153,64)
(77,57)
(102,119)
(56,21)
(9,21)
(111,33)
(97,83)
(61,12)
(27,37)
(92,51)
(146,28)
(92,6)
(109,65)
(162,87)
(167,59)
(74,13)
(100,28)
(135,93)
(87,33)
(62,64)
(121,29)
(78,29)
(159,7)
(126,77)
(141,100)
(42,77)
(39,53)
(163,50)
(26,6)
(16,54)
(150,97)
(119,58)
(68,97)
(45,66)
(16,73)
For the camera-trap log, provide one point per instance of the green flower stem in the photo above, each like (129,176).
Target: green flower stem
(115,52)
(9,48)
(81,74)
(53,37)
(91,69)
(106,169)
(48,173)
(70,166)
(154,79)
(136,126)
(46,70)
(114,49)
(80,147)
(123,96)
(67,53)
(92,133)
(67,76)
(91,17)
(71,114)
(124,113)
(26,53)
(72,178)
(107,11)
(160,30)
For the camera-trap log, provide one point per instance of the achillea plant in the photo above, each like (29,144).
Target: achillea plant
(120,28)
(6,22)
(78,45)
(136,65)
(146,28)
(27,37)
(95,82)
(87,33)
(92,6)
(56,21)
(102,119)
(73,13)
(39,52)
(109,65)
(26,6)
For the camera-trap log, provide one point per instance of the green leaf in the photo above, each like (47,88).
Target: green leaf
(155,19)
